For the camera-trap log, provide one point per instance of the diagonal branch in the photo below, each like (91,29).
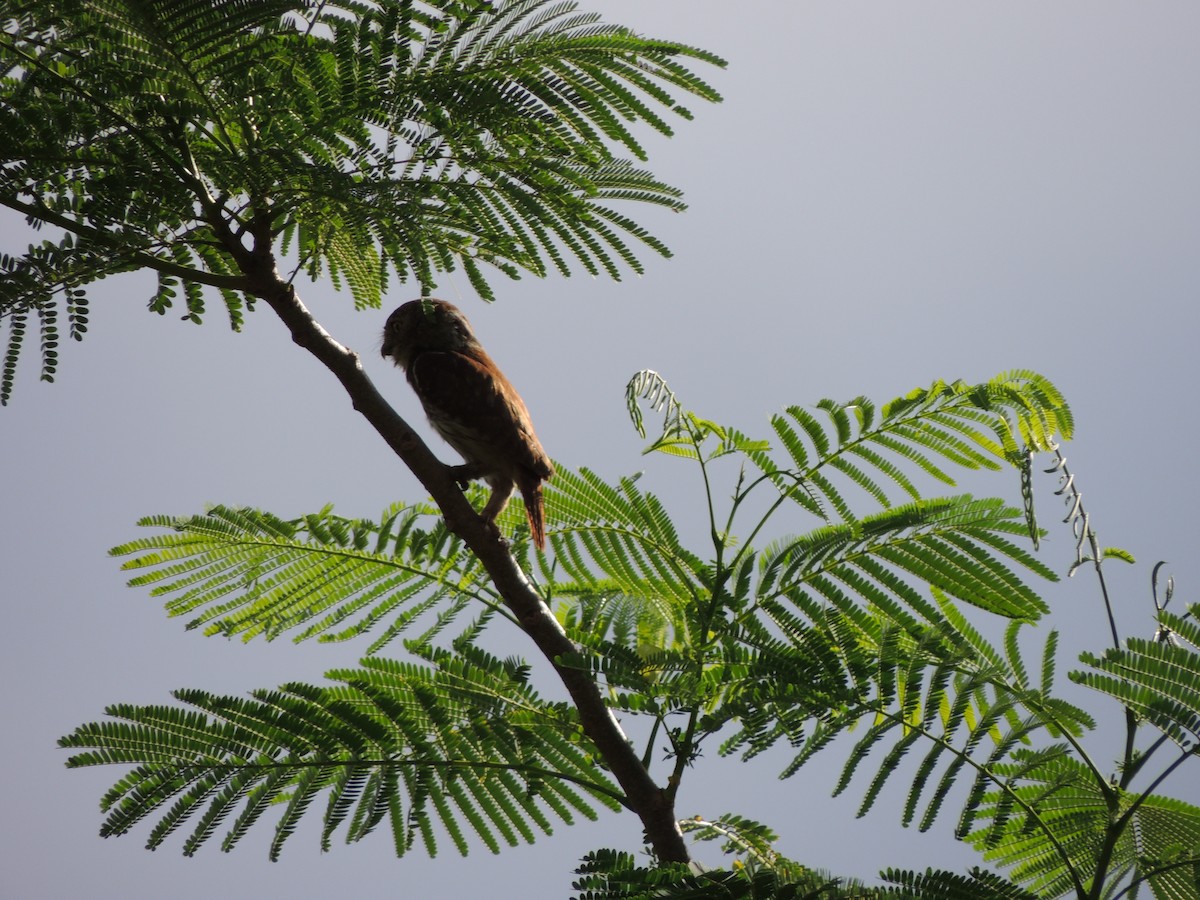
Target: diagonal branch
(642,795)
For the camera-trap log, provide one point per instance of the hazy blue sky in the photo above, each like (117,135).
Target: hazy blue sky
(890,193)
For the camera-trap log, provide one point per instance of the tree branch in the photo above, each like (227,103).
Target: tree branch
(642,795)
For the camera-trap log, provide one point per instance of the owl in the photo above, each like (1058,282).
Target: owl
(471,405)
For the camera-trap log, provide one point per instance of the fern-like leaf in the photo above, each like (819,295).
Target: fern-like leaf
(929,430)
(460,741)
(611,875)
(246,573)
(940,885)
(1157,680)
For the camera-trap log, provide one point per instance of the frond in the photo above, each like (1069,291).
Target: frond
(1035,793)
(840,446)
(1166,834)
(43,286)
(618,539)
(958,545)
(647,385)
(247,573)
(940,885)
(741,836)
(1158,681)
(684,433)
(617,620)
(634,644)
(613,875)
(1048,790)
(808,680)
(458,744)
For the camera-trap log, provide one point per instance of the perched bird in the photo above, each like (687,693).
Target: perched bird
(471,405)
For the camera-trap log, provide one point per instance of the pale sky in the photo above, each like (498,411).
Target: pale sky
(890,194)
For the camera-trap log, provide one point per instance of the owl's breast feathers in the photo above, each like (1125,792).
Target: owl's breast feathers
(477,411)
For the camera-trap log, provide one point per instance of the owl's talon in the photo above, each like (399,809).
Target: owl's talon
(463,475)
(494,530)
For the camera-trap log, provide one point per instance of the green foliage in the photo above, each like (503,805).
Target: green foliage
(398,138)
(462,742)
(741,836)
(1158,680)
(1049,791)
(610,875)
(934,885)
(247,573)
(857,629)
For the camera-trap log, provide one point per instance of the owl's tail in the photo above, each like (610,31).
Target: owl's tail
(535,511)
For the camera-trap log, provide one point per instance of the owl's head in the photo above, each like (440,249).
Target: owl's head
(423,325)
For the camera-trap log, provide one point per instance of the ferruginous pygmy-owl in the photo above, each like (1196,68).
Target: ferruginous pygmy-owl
(471,405)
